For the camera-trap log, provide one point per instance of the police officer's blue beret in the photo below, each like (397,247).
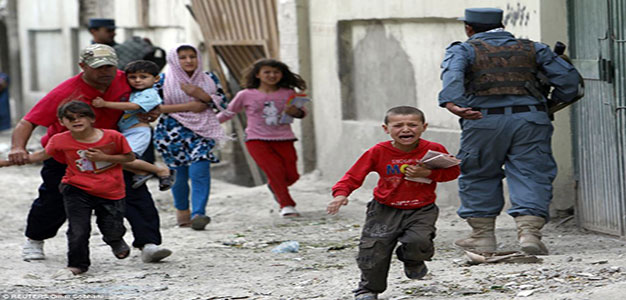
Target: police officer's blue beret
(482,16)
(97,23)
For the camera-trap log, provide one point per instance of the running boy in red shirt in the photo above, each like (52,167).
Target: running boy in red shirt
(93,181)
(403,210)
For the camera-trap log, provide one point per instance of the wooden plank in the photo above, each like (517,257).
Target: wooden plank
(238,32)
(205,19)
(262,18)
(226,57)
(238,42)
(245,27)
(255,19)
(238,20)
(272,29)
(238,58)
(216,21)
(250,20)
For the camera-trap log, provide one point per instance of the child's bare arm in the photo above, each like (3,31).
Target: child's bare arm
(38,156)
(99,102)
(192,106)
(94,154)
(5,163)
(333,206)
(294,111)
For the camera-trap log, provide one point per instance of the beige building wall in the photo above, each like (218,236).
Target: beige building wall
(367,56)
(51,35)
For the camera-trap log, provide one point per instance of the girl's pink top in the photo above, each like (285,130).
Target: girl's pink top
(263,112)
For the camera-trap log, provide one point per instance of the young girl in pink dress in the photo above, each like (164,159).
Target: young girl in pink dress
(268,85)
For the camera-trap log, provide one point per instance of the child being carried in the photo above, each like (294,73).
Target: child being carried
(141,76)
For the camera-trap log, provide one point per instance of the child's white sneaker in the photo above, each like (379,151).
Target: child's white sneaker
(289,211)
(33,250)
(152,253)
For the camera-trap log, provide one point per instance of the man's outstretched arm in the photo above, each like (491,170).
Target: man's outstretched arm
(19,138)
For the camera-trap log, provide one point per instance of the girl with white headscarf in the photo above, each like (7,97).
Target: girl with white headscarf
(187,132)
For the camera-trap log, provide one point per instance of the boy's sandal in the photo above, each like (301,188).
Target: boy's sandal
(166,182)
(120,249)
(139,180)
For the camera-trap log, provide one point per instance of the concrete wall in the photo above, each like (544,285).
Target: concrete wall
(51,34)
(293,22)
(367,56)
(553,29)
(45,40)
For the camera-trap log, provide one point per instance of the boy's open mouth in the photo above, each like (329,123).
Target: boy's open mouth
(406,136)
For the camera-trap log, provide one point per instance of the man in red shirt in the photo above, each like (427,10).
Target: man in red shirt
(100,78)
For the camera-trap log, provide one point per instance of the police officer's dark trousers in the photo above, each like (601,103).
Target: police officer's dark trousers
(78,208)
(522,143)
(384,227)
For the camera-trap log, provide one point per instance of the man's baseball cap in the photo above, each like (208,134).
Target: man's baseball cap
(99,22)
(98,55)
(482,16)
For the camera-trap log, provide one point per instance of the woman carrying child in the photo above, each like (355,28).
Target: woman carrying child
(269,85)
(187,132)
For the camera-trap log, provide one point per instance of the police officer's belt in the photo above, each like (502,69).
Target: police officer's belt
(514,109)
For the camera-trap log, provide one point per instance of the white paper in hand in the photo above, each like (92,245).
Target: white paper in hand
(435,160)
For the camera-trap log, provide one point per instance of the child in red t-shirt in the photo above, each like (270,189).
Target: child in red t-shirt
(402,210)
(93,181)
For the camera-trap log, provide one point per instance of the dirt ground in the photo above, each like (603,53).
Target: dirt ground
(232,259)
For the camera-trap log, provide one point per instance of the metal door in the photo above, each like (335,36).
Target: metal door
(618,28)
(598,119)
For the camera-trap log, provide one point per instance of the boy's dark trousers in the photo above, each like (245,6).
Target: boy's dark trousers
(47,213)
(384,227)
(78,208)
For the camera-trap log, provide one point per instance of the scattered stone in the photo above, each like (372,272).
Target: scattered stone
(336,248)
(63,274)
(614,269)
(525,293)
(31,276)
(526,286)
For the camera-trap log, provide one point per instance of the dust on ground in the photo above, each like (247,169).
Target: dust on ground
(232,259)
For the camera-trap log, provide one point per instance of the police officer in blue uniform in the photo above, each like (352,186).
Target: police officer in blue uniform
(490,82)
